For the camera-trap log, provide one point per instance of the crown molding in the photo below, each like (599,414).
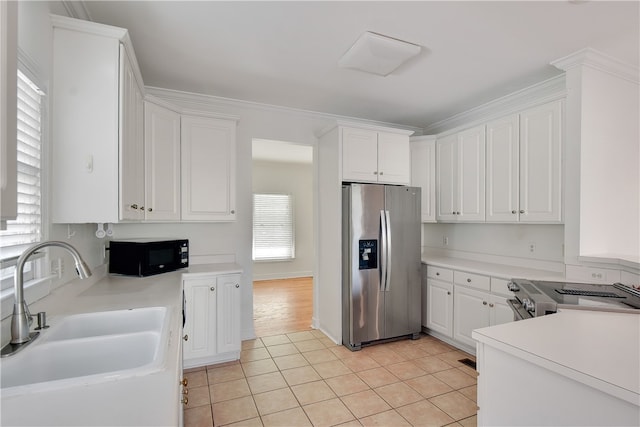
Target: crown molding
(597,60)
(539,93)
(77,9)
(199,103)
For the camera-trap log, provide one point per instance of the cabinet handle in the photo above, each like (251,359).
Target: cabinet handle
(212,289)
(141,208)
(457,213)
(184,382)
(453,213)
(375,172)
(233,212)
(514,212)
(150,209)
(448,292)
(185,391)
(381,173)
(468,280)
(484,303)
(134,206)
(237,285)
(185,400)
(186,337)
(437,274)
(521,210)
(491,305)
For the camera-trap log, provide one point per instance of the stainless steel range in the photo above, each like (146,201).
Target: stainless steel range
(535,298)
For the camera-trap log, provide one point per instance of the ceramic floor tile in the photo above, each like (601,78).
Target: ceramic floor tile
(313,392)
(291,361)
(275,340)
(428,386)
(412,352)
(470,392)
(318,333)
(198,417)
(266,382)
(342,352)
(431,364)
(455,378)
(319,356)
(469,422)
(469,370)
(301,375)
(405,370)
(231,411)
(453,357)
(387,357)
(256,343)
(259,367)
(196,378)
(252,422)
(275,401)
(254,354)
(398,394)
(436,347)
(424,413)
(199,396)
(360,362)
(331,369)
(455,404)
(301,336)
(365,403)
(377,377)
(229,390)
(290,417)
(385,419)
(346,384)
(327,342)
(196,369)
(309,345)
(282,350)
(328,413)
(226,373)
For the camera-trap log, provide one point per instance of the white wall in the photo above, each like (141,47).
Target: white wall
(295,179)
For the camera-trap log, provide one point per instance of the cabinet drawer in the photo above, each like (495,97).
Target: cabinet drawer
(499,286)
(439,273)
(473,280)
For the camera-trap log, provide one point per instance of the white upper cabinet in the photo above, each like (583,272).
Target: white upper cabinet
(162,163)
(375,156)
(423,174)
(524,166)
(94,120)
(461,176)
(208,169)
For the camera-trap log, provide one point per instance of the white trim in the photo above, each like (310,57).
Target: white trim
(546,91)
(77,9)
(597,60)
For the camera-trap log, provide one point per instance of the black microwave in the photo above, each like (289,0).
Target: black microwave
(146,257)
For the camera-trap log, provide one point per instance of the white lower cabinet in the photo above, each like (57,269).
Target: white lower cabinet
(212,319)
(438,307)
(475,309)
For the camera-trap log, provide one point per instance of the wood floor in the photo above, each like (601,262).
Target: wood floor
(282,306)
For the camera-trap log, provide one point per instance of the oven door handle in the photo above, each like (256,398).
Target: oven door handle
(518,312)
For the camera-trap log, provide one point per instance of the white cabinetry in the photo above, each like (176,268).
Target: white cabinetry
(212,318)
(375,156)
(208,169)
(423,174)
(460,166)
(95,116)
(524,166)
(162,163)
(476,309)
(439,307)
(8,108)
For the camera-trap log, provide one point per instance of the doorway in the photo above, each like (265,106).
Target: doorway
(283,237)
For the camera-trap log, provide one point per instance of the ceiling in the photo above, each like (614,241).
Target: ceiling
(287,53)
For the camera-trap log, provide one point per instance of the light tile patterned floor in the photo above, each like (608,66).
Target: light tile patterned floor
(304,379)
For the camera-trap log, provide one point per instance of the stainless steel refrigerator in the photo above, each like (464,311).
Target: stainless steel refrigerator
(381,290)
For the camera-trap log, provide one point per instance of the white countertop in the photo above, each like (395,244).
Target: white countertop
(599,349)
(490,269)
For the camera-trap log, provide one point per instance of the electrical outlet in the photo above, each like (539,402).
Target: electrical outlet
(532,247)
(445,241)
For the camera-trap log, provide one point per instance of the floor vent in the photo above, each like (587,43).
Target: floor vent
(468,362)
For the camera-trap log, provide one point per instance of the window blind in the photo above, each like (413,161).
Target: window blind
(27,227)
(273,236)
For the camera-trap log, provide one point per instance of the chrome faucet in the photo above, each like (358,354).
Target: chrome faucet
(21,318)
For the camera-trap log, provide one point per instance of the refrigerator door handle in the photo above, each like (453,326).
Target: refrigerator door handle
(383,250)
(387,261)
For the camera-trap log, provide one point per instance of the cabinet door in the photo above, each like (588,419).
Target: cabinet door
(228,329)
(502,198)
(200,317)
(540,163)
(471,312)
(394,158)
(131,143)
(499,311)
(447,170)
(208,169)
(471,174)
(423,175)
(359,155)
(162,163)
(440,307)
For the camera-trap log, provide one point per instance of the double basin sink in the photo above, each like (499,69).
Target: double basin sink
(89,348)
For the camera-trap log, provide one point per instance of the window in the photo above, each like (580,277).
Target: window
(27,227)
(273,237)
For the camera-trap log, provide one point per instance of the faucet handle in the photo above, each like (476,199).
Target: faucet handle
(27,312)
(42,321)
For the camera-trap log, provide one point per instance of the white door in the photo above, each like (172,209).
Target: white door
(471,174)
(359,155)
(499,310)
(394,158)
(440,307)
(447,170)
(200,317)
(502,198)
(471,312)
(162,163)
(423,175)
(228,329)
(208,169)
(540,163)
